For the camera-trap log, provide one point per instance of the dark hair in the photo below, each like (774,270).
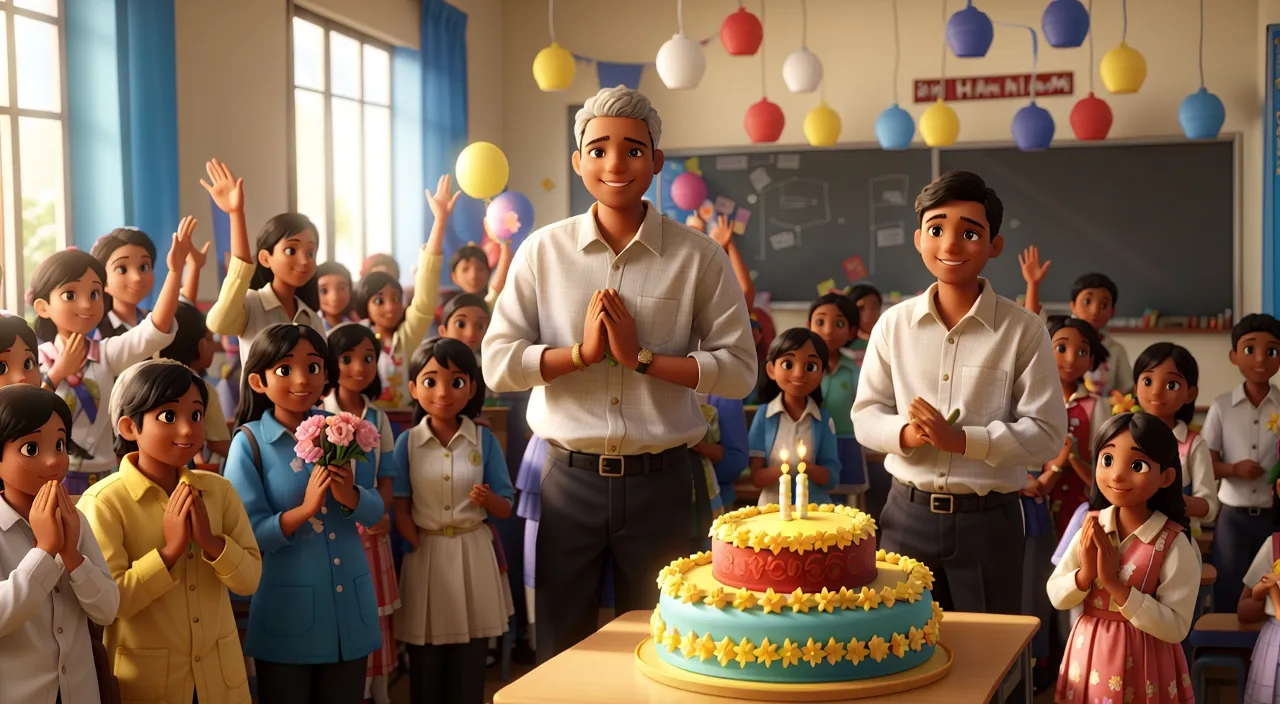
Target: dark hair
(277,229)
(344,338)
(1095,280)
(335,269)
(11,328)
(448,351)
(369,287)
(790,341)
(147,386)
(63,268)
(379,260)
(191,331)
(961,186)
(24,409)
(269,347)
(847,306)
(119,237)
(1156,440)
(460,301)
(1155,355)
(861,291)
(1254,322)
(1097,350)
(470,251)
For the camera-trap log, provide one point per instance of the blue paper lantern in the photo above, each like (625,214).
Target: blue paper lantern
(1032,128)
(969,33)
(895,128)
(1065,24)
(1201,115)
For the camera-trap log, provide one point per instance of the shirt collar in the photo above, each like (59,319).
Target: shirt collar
(1080,393)
(330,404)
(984,309)
(1146,532)
(50,351)
(1180,433)
(271,428)
(1238,396)
(8,515)
(810,408)
(467,430)
(270,301)
(138,483)
(650,234)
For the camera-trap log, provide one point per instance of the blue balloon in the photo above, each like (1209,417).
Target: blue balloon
(1065,24)
(1201,115)
(1033,128)
(895,128)
(969,33)
(510,217)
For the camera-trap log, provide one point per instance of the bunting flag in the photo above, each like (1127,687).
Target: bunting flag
(611,73)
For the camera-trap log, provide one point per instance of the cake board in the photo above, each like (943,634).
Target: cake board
(655,668)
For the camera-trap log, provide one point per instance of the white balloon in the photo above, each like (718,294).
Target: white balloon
(802,71)
(680,63)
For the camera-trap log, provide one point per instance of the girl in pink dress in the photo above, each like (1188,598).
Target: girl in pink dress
(1133,569)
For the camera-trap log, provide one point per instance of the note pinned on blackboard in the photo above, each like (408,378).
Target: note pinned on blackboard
(724,205)
(734,162)
(890,235)
(893,197)
(760,178)
(782,240)
(788,161)
(825,287)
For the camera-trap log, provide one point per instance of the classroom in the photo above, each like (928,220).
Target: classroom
(904,300)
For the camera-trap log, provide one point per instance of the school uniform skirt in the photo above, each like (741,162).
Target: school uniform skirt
(377,550)
(452,591)
(1261,687)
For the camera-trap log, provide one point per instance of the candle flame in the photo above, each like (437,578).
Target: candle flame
(801,450)
(784,455)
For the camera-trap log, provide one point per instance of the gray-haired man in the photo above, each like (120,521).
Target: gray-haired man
(662,301)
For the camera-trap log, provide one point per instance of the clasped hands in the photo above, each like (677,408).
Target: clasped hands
(1099,560)
(926,425)
(186,520)
(609,327)
(56,524)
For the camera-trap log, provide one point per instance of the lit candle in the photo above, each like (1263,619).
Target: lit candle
(784,489)
(802,486)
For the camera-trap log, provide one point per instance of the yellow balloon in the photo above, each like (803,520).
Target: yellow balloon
(822,126)
(553,68)
(482,170)
(1123,69)
(939,125)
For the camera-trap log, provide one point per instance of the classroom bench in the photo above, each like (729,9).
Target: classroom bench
(1220,640)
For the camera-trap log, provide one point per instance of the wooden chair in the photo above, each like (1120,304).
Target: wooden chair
(1229,644)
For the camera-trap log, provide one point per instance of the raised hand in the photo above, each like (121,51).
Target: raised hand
(71,359)
(227,190)
(593,331)
(44,520)
(620,329)
(442,200)
(722,231)
(317,490)
(176,524)
(197,257)
(343,486)
(182,247)
(1029,261)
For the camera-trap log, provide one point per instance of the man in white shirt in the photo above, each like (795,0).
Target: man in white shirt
(662,301)
(1240,431)
(954,500)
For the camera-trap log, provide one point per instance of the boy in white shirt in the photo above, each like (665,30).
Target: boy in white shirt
(1093,299)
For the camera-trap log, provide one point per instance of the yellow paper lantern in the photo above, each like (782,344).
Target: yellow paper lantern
(939,125)
(822,126)
(482,170)
(553,68)
(1123,69)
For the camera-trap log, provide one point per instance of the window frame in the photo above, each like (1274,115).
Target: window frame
(328,238)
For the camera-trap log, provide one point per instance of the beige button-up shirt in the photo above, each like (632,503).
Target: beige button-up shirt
(678,285)
(996,366)
(1238,431)
(244,313)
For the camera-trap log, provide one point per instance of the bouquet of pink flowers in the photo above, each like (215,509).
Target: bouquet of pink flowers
(333,441)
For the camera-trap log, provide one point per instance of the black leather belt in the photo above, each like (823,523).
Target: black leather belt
(953,503)
(621,465)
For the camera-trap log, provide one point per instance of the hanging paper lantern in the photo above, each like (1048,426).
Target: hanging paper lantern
(939,125)
(822,126)
(482,170)
(1065,23)
(802,71)
(895,128)
(764,121)
(741,33)
(509,217)
(680,63)
(553,68)
(1201,115)
(688,191)
(1123,70)
(1032,128)
(1091,118)
(969,33)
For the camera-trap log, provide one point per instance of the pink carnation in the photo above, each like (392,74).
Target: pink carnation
(310,429)
(341,429)
(367,435)
(308,452)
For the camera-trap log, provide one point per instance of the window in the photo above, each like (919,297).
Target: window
(342,138)
(33,165)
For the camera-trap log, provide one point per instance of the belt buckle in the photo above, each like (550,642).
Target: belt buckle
(448,531)
(1254,511)
(607,461)
(942,503)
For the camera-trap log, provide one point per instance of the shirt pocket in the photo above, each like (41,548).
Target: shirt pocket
(655,320)
(143,674)
(288,612)
(367,600)
(231,658)
(982,393)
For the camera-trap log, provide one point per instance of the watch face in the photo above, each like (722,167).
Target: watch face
(645,356)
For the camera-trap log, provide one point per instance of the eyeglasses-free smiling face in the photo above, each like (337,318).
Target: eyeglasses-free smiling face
(467,325)
(18,364)
(29,462)
(831,326)
(293,259)
(617,160)
(171,434)
(442,391)
(1257,355)
(1126,475)
(296,382)
(130,274)
(955,241)
(357,367)
(797,372)
(386,308)
(1072,355)
(1162,390)
(76,306)
(335,294)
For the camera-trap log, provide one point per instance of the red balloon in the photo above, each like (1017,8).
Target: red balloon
(741,33)
(764,121)
(1091,118)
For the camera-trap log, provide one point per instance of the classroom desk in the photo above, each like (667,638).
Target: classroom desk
(602,670)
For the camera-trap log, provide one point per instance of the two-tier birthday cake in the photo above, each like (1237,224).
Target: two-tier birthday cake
(800,600)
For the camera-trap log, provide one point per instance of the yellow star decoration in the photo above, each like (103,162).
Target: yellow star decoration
(758,542)
(673,585)
(767,653)
(799,601)
(666,572)
(718,598)
(847,599)
(795,544)
(746,653)
(790,654)
(898,644)
(892,558)
(887,596)
(690,593)
(835,651)
(745,600)
(902,592)
(907,564)
(868,599)
(656,626)
(915,638)
(742,539)
(702,558)
(688,644)
(725,651)
(684,564)
(937,611)
(826,600)
(844,538)
(706,647)
(931,632)
(825,508)
(813,653)
(879,649)
(828,540)
(772,602)
(857,651)
(915,591)
(1273,423)
(777,543)
(804,543)
(672,639)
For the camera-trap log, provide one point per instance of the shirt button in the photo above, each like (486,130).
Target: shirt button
(324,510)
(338,589)
(337,561)
(57,590)
(445,455)
(446,477)
(447,507)
(333,536)
(190,555)
(617,267)
(197,658)
(614,400)
(951,340)
(196,619)
(613,448)
(191,588)
(946,377)
(64,669)
(1255,447)
(59,629)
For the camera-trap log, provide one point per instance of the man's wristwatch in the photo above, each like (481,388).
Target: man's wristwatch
(644,359)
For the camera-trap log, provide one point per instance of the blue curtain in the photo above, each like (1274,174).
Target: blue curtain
(406,160)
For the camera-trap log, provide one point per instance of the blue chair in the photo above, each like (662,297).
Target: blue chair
(1232,643)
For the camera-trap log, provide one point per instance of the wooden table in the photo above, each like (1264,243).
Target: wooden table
(602,670)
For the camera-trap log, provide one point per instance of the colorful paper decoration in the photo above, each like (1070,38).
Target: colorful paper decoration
(1065,23)
(969,32)
(802,71)
(482,170)
(680,61)
(939,125)
(1032,125)
(764,121)
(895,128)
(1091,118)
(822,126)
(1123,70)
(1201,113)
(553,68)
(741,33)
(688,191)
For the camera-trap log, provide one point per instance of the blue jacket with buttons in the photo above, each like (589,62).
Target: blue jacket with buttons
(763,432)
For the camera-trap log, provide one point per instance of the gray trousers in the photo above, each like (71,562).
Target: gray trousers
(639,524)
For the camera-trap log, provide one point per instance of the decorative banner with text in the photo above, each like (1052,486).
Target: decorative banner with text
(995,87)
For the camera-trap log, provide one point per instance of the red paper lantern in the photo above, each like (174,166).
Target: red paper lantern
(741,33)
(1091,118)
(764,121)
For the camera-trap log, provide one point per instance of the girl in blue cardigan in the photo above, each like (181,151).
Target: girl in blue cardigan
(791,415)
